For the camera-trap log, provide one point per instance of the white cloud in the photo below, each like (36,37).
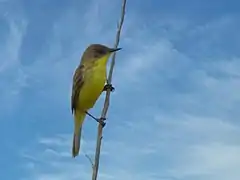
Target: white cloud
(13,78)
(154,55)
(142,145)
(209,161)
(9,52)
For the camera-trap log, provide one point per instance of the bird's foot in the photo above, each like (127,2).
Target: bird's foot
(99,120)
(108,87)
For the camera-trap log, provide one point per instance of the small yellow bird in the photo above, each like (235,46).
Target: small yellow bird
(88,83)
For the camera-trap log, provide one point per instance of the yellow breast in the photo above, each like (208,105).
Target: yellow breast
(94,81)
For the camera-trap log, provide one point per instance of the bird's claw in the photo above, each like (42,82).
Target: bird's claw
(108,87)
(101,121)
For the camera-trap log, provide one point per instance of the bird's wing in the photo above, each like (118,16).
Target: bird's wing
(78,80)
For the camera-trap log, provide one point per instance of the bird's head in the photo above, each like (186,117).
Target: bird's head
(96,52)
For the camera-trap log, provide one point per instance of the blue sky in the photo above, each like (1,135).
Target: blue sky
(173,116)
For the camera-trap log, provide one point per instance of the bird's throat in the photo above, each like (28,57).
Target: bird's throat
(103,60)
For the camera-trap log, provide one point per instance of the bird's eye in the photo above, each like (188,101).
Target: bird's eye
(101,52)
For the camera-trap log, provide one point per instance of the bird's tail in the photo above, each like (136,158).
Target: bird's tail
(78,121)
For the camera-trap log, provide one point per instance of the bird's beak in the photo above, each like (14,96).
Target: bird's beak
(114,50)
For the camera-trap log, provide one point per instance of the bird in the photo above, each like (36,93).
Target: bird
(88,83)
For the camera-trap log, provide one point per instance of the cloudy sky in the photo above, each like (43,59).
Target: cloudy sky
(173,116)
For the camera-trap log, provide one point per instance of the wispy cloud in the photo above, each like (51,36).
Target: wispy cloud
(178,147)
(177,124)
(12,76)
(173,115)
